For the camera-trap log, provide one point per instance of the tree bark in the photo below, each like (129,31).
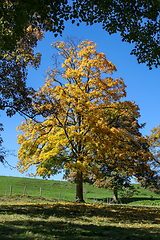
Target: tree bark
(79,187)
(115,195)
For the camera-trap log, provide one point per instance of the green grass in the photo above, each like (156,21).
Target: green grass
(52,190)
(32,217)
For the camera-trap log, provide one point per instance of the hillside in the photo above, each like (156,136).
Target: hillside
(65,191)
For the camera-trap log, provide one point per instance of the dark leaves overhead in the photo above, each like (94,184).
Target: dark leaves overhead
(136,20)
(15,96)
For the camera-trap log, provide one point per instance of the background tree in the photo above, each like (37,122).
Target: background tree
(73,105)
(136,20)
(155,149)
(155,144)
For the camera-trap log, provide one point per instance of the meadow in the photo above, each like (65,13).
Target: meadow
(55,215)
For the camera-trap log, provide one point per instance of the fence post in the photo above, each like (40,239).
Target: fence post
(10,191)
(6,193)
(60,196)
(40,191)
(25,191)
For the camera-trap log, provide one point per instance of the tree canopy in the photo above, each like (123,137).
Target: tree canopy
(78,107)
(136,20)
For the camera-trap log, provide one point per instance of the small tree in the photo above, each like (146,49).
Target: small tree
(128,192)
(155,145)
(73,104)
(154,139)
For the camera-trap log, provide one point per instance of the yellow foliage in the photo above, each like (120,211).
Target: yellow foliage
(77,106)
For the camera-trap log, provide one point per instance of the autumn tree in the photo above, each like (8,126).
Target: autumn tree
(131,157)
(137,21)
(73,104)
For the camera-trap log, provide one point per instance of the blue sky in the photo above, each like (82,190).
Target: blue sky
(143,85)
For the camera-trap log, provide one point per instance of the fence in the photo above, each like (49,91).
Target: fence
(24,193)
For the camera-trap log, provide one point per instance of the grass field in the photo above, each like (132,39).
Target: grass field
(62,190)
(46,217)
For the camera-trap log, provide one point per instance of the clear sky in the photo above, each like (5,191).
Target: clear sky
(143,85)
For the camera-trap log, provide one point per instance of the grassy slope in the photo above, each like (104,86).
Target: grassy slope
(52,189)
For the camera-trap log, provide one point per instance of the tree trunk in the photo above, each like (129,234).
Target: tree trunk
(79,187)
(115,195)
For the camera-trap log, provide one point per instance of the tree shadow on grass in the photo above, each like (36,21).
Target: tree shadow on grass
(58,221)
(69,231)
(125,200)
(118,213)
